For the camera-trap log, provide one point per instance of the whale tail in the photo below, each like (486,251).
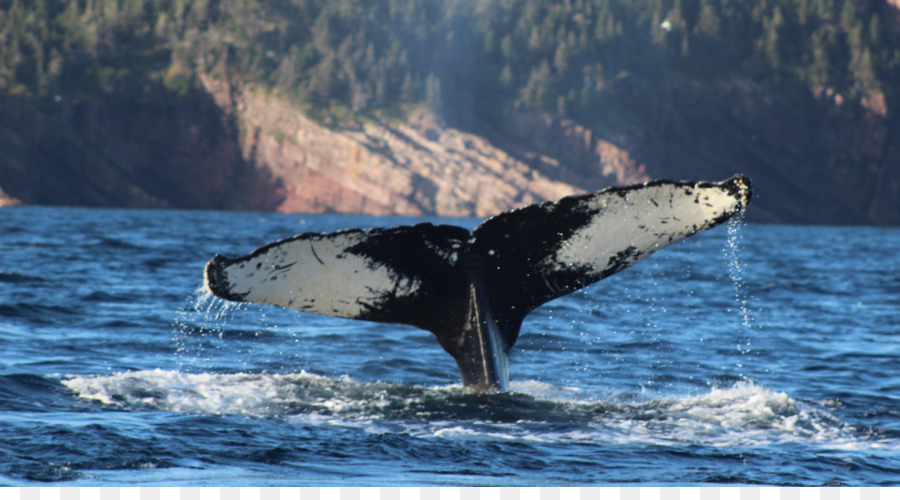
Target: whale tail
(472,291)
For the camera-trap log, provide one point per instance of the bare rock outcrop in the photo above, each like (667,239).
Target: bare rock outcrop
(375,167)
(7,200)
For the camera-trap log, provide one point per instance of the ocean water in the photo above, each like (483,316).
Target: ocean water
(749,354)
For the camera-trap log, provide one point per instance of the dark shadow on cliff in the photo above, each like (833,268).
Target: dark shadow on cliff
(153,147)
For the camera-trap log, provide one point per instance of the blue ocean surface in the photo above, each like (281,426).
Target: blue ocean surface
(749,354)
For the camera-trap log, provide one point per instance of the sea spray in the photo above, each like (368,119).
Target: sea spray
(736,271)
(211,334)
(197,324)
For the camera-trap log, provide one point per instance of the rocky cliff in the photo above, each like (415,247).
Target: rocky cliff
(162,151)
(413,168)
(821,159)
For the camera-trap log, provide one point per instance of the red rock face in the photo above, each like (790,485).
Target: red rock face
(7,200)
(419,168)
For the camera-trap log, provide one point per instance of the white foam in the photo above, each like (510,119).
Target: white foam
(205,393)
(743,415)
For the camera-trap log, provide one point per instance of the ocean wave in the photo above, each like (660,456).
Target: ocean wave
(18,278)
(741,415)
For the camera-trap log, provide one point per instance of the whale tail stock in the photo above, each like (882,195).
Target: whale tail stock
(472,291)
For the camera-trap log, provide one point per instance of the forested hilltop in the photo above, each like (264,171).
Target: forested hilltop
(612,71)
(552,57)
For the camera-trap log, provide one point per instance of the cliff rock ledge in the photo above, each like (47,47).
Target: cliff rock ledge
(229,146)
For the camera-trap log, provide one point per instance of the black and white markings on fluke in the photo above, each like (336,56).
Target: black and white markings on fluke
(472,291)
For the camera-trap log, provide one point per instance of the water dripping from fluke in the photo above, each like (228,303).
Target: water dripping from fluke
(196,323)
(736,271)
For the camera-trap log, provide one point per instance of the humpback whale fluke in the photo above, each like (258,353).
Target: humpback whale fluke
(472,291)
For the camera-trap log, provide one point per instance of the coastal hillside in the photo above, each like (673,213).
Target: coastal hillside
(451,108)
